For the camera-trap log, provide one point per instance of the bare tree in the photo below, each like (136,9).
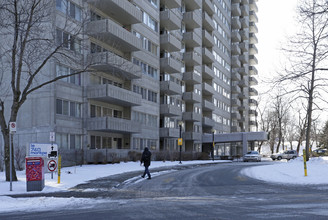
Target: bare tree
(308,52)
(28,45)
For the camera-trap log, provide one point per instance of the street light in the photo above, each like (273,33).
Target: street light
(213,144)
(180,139)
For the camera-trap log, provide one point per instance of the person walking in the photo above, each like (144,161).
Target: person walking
(145,159)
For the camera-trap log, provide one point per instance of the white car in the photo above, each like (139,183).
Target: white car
(252,156)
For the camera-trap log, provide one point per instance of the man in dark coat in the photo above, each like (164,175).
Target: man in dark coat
(145,159)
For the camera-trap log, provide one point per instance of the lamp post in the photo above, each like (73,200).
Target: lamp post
(180,139)
(213,144)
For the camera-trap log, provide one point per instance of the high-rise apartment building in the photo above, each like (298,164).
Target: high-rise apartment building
(159,66)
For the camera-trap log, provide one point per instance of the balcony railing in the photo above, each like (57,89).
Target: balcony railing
(112,63)
(191,39)
(170,88)
(111,124)
(192,19)
(170,20)
(113,94)
(169,132)
(170,110)
(191,116)
(170,43)
(122,11)
(114,35)
(192,78)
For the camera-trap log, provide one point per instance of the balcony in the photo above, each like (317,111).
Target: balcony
(191,116)
(235,116)
(208,7)
(192,19)
(244,33)
(170,65)
(192,39)
(243,58)
(242,95)
(208,106)
(235,89)
(114,35)
(243,70)
(193,4)
(243,83)
(208,89)
(252,112)
(235,10)
(170,43)
(113,94)
(169,132)
(253,27)
(208,40)
(235,62)
(173,4)
(170,20)
(252,123)
(235,1)
(244,46)
(111,124)
(235,49)
(235,23)
(252,60)
(111,63)
(191,97)
(208,72)
(208,122)
(253,6)
(242,108)
(252,81)
(244,10)
(208,23)
(253,17)
(235,129)
(207,55)
(192,58)
(235,76)
(235,36)
(252,102)
(252,70)
(253,92)
(192,136)
(170,110)
(123,12)
(253,49)
(192,78)
(170,88)
(235,103)
(244,22)
(252,38)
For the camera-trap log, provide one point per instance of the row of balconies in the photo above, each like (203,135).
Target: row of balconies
(174,133)
(171,20)
(238,61)
(243,35)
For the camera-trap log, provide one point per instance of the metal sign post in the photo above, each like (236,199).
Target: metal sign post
(12,129)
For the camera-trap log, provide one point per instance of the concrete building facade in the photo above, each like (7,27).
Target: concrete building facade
(158,66)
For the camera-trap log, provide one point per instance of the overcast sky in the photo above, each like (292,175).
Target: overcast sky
(276,22)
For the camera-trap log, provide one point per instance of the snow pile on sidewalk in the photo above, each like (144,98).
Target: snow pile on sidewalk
(292,172)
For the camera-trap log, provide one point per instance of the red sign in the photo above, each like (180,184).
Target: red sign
(52,165)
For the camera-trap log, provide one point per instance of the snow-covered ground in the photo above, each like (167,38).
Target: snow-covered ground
(285,172)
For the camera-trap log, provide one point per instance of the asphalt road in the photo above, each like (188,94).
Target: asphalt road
(216,191)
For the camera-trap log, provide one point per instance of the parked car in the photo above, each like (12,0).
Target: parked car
(288,154)
(252,156)
(320,151)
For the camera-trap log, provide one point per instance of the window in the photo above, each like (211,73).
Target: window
(150,22)
(63,70)
(70,9)
(154,3)
(68,41)
(68,108)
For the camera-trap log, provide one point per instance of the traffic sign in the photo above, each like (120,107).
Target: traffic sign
(179,141)
(12,127)
(52,165)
